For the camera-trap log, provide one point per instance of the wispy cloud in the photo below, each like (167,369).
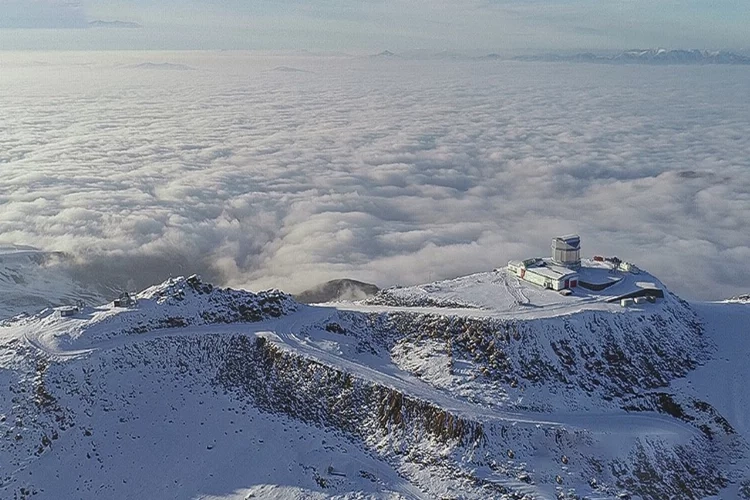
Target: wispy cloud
(383,170)
(41,14)
(494,25)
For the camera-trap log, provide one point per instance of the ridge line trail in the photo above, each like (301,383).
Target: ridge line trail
(587,303)
(284,332)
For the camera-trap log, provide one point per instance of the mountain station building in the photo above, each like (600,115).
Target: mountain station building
(559,272)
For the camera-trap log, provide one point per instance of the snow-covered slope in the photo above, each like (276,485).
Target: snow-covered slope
(723,380)
(474,388)
(500,294)
(29,282)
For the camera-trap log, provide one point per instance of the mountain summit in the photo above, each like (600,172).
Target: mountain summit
(385,54)
(486,386)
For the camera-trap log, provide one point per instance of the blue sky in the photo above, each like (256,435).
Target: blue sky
(370,25)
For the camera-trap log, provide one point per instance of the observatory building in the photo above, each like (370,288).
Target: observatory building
(557,273)
(566,251)
(565,271)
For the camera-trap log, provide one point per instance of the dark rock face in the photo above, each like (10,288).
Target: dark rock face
(336,290)
(278,380)
(386,298)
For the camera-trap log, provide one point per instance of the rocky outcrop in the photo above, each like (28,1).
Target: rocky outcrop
(337,290)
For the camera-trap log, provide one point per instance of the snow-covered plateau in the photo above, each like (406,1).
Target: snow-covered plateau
(479,387)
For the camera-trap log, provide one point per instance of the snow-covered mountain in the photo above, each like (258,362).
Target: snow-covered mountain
(648,56)
(31,280)
(116,24)
(422,55)
(479,387)
(743,299)
(635,56)
(384,54)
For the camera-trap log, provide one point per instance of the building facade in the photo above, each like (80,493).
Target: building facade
(566,250)
(544,274)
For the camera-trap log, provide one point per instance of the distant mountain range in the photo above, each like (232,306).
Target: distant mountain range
(422,54)
(289,69)
(162,66)
(639,56)
(113,24)
(647,56)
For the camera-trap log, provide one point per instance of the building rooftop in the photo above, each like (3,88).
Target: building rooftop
(502,293)
(549,269)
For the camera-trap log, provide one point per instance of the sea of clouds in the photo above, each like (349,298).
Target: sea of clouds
(263,170)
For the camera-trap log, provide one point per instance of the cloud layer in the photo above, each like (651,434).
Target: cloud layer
(384,171)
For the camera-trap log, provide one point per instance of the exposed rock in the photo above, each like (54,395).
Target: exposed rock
(337,290)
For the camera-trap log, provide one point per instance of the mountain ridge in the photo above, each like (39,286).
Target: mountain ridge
(445,402)
(655,56)
(647,56)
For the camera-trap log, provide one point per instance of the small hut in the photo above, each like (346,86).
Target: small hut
(125,300)
(67,312)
